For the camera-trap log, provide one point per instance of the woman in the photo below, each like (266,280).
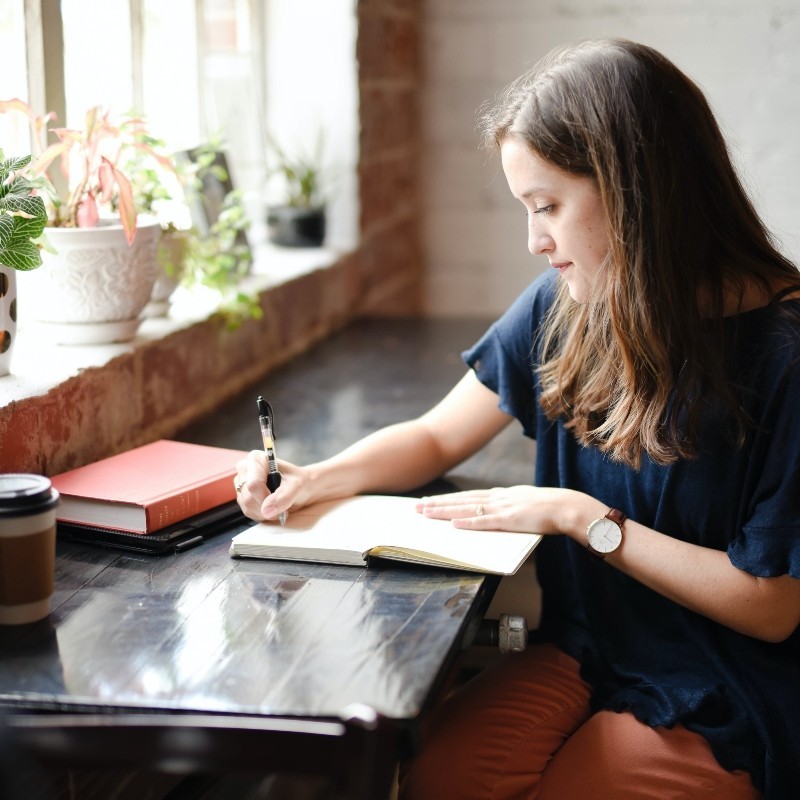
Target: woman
(658,368)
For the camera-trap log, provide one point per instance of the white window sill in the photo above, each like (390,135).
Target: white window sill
(38,365)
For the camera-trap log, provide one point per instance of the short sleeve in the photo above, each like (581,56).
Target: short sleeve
(504,359)
(768,543)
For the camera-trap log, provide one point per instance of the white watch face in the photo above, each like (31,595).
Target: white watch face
(604,535)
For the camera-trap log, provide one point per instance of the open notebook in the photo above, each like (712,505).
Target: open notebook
(351,530)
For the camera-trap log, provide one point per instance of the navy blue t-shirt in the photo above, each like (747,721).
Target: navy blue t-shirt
(638,650)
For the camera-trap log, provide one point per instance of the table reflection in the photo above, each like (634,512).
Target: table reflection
(205,632)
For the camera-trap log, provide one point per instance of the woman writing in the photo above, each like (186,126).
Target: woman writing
(657,365)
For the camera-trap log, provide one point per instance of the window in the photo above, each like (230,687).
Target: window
(170,88)
(14,134)
(198,68)
(101,50)
(155,58)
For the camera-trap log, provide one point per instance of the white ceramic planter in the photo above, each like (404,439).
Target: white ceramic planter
(8,316)
(93,290)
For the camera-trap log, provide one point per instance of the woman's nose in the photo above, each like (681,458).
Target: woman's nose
(539,242)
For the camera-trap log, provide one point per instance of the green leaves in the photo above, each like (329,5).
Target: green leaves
(302,174)
(23,215)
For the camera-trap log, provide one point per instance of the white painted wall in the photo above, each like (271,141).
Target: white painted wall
(745,56)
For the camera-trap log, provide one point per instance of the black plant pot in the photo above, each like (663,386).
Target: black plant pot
(296,227)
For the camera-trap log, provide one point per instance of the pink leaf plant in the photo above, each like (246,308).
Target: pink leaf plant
(89,159)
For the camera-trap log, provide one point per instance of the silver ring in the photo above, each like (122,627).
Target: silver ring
(239,485)
(478,511)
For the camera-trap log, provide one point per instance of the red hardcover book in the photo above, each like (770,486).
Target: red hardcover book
(148,488)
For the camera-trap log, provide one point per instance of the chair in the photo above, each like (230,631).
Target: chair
(357,752)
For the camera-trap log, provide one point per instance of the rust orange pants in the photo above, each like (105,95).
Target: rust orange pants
(522,729)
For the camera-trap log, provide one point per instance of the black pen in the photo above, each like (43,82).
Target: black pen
(266,420)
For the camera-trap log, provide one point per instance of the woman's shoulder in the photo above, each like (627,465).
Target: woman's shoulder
(763,357)
(772,330)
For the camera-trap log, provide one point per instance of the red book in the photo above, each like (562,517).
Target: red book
(148,488)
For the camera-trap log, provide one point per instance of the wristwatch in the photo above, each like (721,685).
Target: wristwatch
(604,535)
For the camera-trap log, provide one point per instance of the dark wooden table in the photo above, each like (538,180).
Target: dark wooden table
(201,632)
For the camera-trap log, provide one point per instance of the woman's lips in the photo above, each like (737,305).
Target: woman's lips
(561,267)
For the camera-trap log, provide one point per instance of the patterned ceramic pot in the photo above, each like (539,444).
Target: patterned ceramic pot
(8,316)
(94,288)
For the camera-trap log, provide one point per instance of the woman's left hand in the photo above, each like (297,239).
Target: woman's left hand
(699,578)
(526,509)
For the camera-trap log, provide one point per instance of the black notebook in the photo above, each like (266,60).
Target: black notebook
(173,539)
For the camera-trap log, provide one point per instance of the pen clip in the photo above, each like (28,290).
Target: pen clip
(265,412)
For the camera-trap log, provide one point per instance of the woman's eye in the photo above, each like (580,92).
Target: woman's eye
(544,209)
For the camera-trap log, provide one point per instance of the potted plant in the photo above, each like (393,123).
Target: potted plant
(22,221)
(157,186)
(211,253)
(299,219)
(94,286)
(219,259)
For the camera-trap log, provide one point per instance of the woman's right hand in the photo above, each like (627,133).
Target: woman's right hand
(256,500)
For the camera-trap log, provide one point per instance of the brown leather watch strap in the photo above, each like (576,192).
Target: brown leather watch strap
(615,515)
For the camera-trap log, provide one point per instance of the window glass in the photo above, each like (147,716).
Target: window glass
(231,100)
(14,131)
(317,95)
(199,68)
(97,57)
(169,72)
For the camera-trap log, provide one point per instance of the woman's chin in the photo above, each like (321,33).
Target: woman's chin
(577,291)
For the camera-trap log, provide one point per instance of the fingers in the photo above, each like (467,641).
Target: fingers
(513,508)
(472,505)
(250,483)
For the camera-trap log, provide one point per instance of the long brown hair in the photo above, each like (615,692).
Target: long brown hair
(635,369)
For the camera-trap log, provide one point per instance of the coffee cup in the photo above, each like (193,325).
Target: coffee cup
(27,547)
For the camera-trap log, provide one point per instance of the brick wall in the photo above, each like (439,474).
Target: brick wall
(160,385)
(389,82)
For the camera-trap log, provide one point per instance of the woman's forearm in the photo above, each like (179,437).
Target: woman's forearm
(699,578)
(397,458)
(410,454)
